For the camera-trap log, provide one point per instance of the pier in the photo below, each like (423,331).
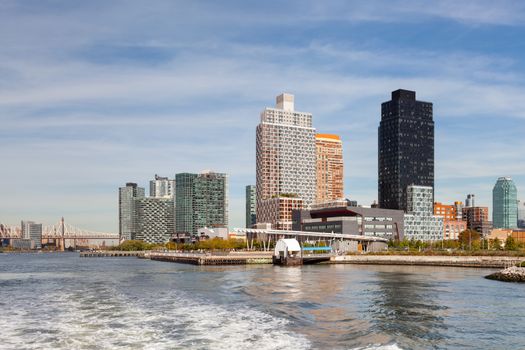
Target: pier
(112,253)
(242,258)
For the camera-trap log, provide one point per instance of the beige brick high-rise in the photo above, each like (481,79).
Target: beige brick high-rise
(285,154)
(329,168)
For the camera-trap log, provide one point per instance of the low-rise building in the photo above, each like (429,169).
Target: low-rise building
(452,229)
(21,243)
(217,232)
(385,223)
(477,219)
(278,211)
(453,223)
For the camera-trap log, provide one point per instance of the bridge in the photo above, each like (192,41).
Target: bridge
(61,232)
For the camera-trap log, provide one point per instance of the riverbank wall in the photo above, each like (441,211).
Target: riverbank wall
(440,260)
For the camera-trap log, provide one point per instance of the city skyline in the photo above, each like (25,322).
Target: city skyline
(78,112)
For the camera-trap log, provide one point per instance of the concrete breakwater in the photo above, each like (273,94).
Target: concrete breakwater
(511,274)
(438,260)
(208,259)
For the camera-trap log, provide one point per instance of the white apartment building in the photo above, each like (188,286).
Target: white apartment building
(420,221)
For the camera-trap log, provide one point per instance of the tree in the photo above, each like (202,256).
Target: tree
(467,237)
(496,244)
(510,243)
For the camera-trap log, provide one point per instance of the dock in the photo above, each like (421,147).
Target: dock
(242,258)
(112,254)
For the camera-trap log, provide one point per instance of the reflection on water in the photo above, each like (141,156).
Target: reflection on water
(64,302)
(401,301)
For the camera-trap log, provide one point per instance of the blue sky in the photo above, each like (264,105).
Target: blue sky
(94,94)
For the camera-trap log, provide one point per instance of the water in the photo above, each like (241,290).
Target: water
(61,301)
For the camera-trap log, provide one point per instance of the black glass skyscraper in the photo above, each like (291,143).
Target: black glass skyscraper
(406,148)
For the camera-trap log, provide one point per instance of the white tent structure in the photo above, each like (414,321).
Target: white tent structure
(287,247)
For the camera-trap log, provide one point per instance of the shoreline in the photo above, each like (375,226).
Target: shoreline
(430,260)
(256,257)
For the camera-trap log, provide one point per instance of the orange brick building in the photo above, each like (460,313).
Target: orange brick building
(448,212)
(452,224)
(329,168)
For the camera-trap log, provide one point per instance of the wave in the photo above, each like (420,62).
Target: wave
(104,318)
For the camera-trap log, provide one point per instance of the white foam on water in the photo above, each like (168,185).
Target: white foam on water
(105,319)
(380,347)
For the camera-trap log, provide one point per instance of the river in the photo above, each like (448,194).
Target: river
(61,301)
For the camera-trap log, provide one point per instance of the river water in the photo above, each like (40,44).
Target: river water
(61,301)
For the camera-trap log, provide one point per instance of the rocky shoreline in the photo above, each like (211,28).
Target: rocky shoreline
(510,274)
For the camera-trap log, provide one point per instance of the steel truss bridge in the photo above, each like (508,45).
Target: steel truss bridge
(60,232)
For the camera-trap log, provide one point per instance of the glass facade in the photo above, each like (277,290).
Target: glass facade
(251,218)
(201,201)
(505,204)
(406,148)
(127,212)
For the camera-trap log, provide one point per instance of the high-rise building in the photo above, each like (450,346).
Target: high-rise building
(521,214)
(329,153)
(406,148)
(420,221)
(505,204)
(33,232)
(285,151)
(126,210)
(162,187)
(154,219)
(251,217)
(286,156)
(470,201)
(201,201)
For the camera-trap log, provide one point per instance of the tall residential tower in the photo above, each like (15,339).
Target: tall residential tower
(406,148)
(329,168)
(126,210)
(286,155)
(201,201)
(162,187)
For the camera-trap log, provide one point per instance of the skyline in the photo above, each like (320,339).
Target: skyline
(88,105)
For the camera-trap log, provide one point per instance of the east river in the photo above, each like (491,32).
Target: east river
(61,301)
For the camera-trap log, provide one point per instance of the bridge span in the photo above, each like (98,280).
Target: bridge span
(62,233)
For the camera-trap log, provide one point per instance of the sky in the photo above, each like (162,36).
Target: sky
(94,94)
